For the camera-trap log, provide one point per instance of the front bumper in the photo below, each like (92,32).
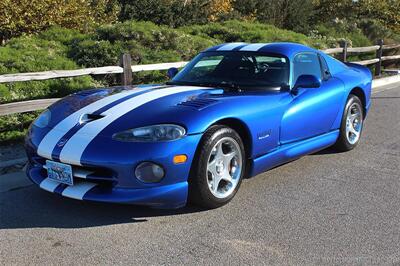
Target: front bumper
(112,164)
(167,196)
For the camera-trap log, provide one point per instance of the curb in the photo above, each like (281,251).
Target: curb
(376,83)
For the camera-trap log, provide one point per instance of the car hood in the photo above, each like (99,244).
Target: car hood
(95,116)
(109,110)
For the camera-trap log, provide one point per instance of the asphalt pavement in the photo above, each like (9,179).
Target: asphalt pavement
(325,208)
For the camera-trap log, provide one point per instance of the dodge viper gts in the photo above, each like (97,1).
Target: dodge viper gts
(234,111)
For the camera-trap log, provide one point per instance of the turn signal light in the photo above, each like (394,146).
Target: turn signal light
(178,159)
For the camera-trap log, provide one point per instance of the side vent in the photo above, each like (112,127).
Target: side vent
(198,103)
(86,118)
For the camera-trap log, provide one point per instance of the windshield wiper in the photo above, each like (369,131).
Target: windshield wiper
(223,84)
(231,85)
(177,83)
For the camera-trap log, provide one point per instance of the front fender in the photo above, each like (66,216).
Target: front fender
(260,114)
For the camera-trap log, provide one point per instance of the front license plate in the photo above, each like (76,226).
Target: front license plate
(60,172)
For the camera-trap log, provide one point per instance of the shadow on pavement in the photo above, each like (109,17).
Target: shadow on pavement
(383,97)
(326,151)
(30,207)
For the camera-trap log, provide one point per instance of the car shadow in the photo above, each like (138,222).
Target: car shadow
(326,151)
(31,207)
(384,97)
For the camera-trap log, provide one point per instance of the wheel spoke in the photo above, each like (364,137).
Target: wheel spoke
(214,175)
(352,117)
(227,176)
(216,180)
(211,166)
(228,157)
(219,153)
(353,130)
(348,126)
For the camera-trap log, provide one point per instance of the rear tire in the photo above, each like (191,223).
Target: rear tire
(218,168)
(351,125)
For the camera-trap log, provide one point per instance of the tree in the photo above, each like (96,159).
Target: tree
(288,14)
(219,9)
(385,12)
(168,12)
(176,13)
(328,10)
(32,16)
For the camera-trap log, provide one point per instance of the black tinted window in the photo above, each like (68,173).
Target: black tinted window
(306,64)
(246,69)
(325,70)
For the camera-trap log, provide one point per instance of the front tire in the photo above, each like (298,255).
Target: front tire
(218,168)
(351,125)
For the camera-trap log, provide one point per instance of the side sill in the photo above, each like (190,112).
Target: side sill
(291,151)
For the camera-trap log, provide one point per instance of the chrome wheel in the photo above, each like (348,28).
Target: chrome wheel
(354,123)
(224,167)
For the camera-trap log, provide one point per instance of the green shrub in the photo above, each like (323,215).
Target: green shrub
(93,53)
(145,33)
(63,35)
(342,30)
(146,42)
(152,39)
(14,127)
(234,31)
(32,54)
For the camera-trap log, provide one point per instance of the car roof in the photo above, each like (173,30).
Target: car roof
(283,48)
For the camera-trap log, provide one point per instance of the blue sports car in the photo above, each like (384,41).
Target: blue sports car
(234,111)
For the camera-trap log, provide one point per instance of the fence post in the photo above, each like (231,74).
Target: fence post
(126,64)
(343,44)
(378,64)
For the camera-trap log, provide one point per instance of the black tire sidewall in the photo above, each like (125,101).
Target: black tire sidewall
(199,191)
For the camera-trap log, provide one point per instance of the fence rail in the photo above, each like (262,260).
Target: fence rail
(126,70)
(82,72)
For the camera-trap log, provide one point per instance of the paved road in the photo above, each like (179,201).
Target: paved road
(325,208)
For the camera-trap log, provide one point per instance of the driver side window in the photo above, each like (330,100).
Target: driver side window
(306,64)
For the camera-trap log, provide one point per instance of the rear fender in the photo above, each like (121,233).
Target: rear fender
(361,68)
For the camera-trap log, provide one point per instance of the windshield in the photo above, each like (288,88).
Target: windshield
(235,69)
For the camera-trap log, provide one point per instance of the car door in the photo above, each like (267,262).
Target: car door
(312,111)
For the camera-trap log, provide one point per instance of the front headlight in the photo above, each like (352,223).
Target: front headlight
(164,132)
(43,120)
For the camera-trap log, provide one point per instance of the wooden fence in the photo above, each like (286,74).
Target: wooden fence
(126,70)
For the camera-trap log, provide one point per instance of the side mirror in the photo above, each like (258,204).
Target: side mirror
(307,81)
(172,72)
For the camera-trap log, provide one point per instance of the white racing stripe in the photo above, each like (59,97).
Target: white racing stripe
(73,150)
(78,191)
(51,139)
(230,46)
(49,185)
(253,47)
